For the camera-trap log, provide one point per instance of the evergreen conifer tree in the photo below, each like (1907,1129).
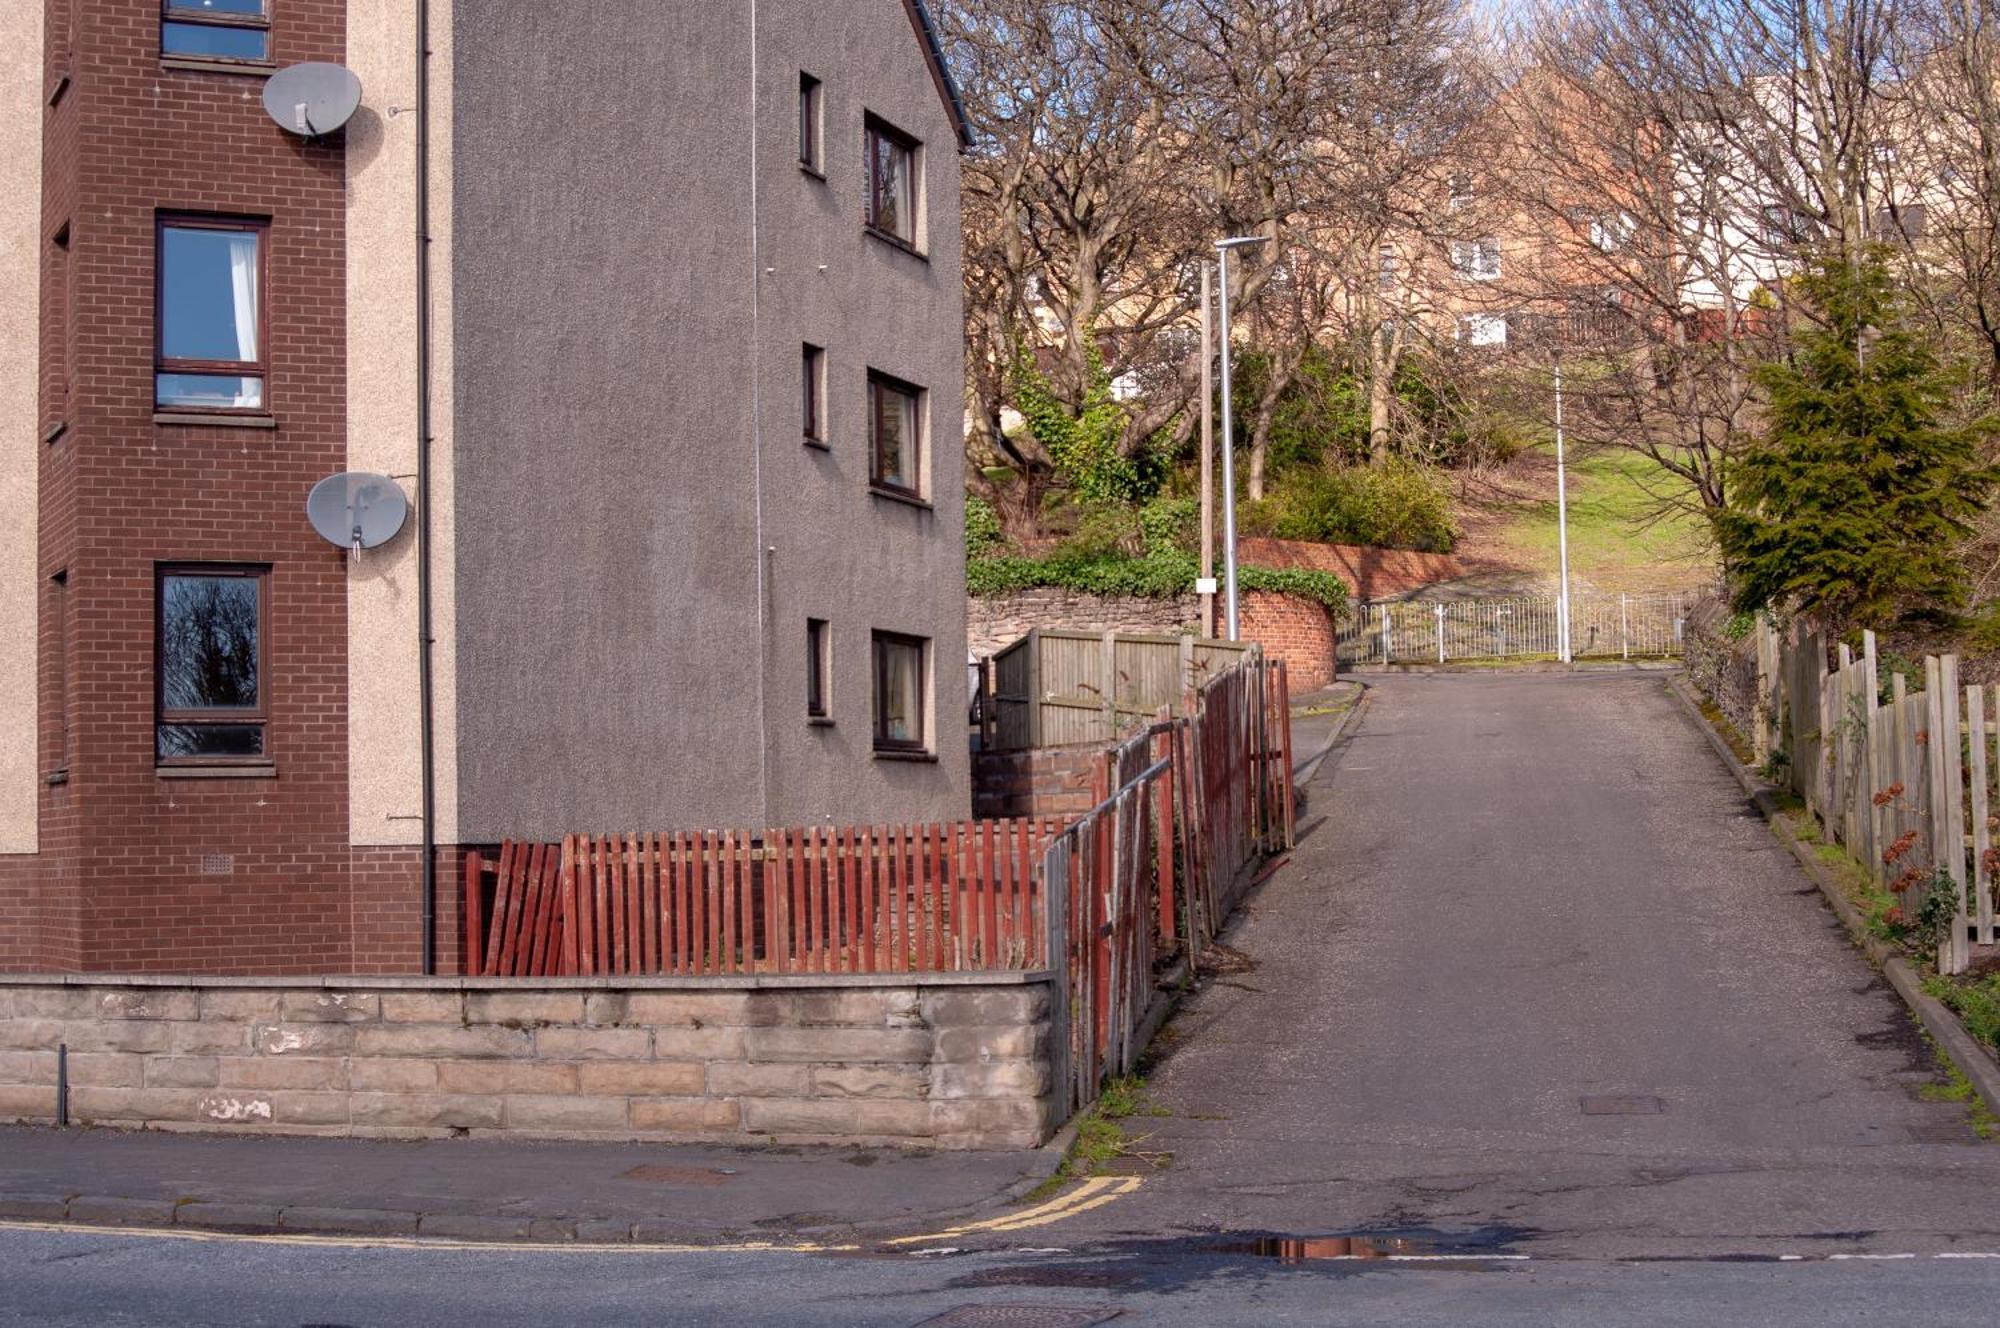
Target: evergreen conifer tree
(1852,502)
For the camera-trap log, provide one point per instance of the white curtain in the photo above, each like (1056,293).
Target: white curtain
(243,287)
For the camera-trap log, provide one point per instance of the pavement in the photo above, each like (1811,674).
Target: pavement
(479,1189)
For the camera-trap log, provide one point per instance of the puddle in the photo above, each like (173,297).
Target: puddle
(1366,1246)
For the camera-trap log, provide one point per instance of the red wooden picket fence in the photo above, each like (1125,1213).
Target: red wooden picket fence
(1185,808)
(868,899)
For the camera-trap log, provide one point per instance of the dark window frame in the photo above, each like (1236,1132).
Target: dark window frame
(812,125)
(812,373)
(879,680)
(172,12)
(819,660)
(258,715)
(873,128)
(915,448)
(165,364)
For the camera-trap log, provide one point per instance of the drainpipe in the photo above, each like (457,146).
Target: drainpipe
(424,680)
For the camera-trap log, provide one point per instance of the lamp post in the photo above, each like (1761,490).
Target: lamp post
(1229,439)
(1562,519)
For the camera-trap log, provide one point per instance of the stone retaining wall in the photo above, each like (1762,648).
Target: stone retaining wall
(951,1061)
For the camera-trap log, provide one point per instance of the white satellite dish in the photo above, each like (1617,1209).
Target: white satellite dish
(312,99)
(357,510)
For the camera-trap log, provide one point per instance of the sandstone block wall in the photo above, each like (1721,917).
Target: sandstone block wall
(941,1062)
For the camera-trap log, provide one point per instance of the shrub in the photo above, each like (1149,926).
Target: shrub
(982,526)
(1397,506)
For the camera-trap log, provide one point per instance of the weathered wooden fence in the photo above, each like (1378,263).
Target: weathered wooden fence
(1906,782)
(1438,632)
(1185,808)
(1056,686)
(868,899)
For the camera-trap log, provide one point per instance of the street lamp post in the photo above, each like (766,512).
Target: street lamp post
(1562,521)
(1229,440)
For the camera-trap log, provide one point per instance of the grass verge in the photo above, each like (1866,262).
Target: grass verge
(1100,1135)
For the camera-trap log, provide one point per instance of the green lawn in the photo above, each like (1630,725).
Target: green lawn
(1619,538)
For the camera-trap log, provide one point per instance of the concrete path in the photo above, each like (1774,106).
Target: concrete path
(1515,893)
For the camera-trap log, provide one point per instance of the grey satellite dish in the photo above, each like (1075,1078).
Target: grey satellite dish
(312,99)
(357,510)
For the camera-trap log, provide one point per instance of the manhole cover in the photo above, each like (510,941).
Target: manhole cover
(1019,1316)
(1621,1104)
(677,1175)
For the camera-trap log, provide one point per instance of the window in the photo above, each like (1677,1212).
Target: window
(899,692)
(1909,220)
(1476,260)
(210,659)
(210,278)
(1385,268)
(216,29)
(1610,232)
(809,124)
(58,359)
(59,634)
(818,661)
(812,380)
(1460,192)
(895,429)
(1482,330)
(892,183)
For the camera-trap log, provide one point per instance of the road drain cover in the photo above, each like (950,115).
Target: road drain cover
(1019,1316)
(1621,1104)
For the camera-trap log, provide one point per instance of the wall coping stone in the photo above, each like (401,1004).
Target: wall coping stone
(724,982)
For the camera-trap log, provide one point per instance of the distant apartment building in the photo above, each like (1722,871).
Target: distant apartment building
(654,315)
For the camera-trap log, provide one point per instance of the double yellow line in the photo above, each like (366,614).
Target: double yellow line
(1093,1193)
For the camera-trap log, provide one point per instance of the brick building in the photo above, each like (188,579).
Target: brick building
(674,391)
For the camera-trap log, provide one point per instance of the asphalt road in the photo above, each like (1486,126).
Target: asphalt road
(1517,892)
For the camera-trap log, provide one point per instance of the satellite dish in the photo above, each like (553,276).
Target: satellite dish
(312,99)
(357,510)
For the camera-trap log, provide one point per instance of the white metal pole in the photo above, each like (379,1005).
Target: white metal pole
(1207,450)
(1562,520)
(1440,623)
(1228,463)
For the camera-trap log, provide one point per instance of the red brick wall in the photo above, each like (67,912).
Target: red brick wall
(1370,574)
(138,872)
(1294,629)
(1044,781)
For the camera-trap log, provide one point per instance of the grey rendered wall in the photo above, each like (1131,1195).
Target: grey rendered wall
(860,561)
(623,404)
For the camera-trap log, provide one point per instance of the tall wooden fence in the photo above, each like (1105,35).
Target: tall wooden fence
(1439,632)
(1905,780)
(1058,686)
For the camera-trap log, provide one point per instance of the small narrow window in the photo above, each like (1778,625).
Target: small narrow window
(895,410)
(812,383)
(892,183)
(809,124)
(210,301)
(1476,260)
(216,29)
(900,662)
(210,656)
(59,641)
(818,661)
(1385,268)
(59,300)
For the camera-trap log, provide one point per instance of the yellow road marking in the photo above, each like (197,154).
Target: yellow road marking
(1092,1193)
(426,1242)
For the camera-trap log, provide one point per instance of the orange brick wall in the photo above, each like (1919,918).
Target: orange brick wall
(1296,630)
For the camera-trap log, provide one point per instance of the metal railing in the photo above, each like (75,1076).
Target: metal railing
(1442,631)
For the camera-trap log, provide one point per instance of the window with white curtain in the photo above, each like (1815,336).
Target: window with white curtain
(210,310)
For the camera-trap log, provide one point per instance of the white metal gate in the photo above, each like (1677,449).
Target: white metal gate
(1440,631)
